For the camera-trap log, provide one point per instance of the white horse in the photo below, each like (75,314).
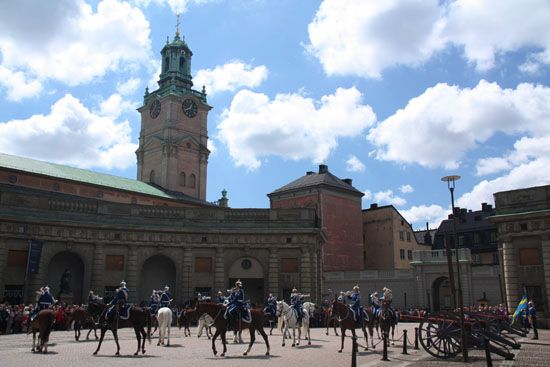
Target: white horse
(204,323)
(290,317)
(164,318)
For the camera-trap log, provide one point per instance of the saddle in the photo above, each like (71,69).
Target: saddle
(123,312)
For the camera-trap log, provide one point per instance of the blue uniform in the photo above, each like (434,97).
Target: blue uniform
(121,297)
(236,302)
(153,303)
(271,306)
(356,305)
(165,299)
(297,303)
(45,301)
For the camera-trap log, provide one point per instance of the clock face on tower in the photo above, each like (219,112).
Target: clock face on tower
(189,108)
(154,110)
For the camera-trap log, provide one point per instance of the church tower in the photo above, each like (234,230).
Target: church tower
(173,151)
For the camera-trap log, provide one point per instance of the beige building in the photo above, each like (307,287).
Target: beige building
(388,239)
(523,221)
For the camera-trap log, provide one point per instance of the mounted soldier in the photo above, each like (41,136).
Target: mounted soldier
(94,298)
(355,305)
(221,298)
(375,302)
(44,301)
(154,302)
(236,307)
(120,298)
(297,303)
(271,305)
(386,301)
(165,297)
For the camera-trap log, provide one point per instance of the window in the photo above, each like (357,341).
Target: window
(409,254)
(13,294)
(289,265)
(152,176)
(401,235)
(166,63)
(529,256)
(523,226)
(114,262)
(192,181)
(476,239)
(461,241)
(534,292)
(17,258)
(182,179)
(109,292)
(402,254)
(493,237)
(495,259)
(289,240)
(182,63)
(409,236)
(203,264)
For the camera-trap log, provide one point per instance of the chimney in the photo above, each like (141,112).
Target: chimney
(483,207)
(323,168)
(427,226)
(309,173)
(374,206)
(348,181)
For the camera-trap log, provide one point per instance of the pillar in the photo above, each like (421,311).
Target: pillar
(187,282)
(273,272)
(3,264)
(510,274)
(546,263)
(219,270)
(316,278)
(98,269)
(305,271)
(131,273)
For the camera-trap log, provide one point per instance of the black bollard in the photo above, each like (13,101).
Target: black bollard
(416,338)
(385,349)
(405,341)
(488,353)
(354,351)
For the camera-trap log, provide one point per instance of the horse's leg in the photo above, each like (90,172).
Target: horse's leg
(88,335)
(392,335)
(335,329)
(241,337)
(284,326)
(266,340)
(102,335)
(224,343)
(252,339)
(138,337)
(371,333)
(33,341)
(115,335)
(366,336)
(343,332)
(168,343)
(214,341)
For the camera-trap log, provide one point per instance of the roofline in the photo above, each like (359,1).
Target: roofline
(353,192)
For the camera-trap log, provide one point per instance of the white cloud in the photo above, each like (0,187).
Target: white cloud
(353,164)
(70,42)
(487,166)
(177,6)
(417,216)
(114,106)
(291,126)
(70,134)
(363,38)
(212,147)
(129,86)
(388,197)
(230,77)
(405,189)
(367,195)
(17,85)
(438,127)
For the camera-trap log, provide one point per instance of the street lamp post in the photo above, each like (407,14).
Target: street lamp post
(451,185)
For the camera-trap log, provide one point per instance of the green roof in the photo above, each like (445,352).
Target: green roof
(85,176)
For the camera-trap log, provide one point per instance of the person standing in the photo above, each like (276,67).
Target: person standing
(532,312)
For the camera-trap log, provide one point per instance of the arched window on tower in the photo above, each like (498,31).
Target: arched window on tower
(152,176)
(192,181)
(182,179)
(182,63)
(166,63)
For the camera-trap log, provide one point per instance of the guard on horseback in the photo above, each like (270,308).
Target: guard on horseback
(271,305)
(94,298)
(120,298)
(154,302)
(355,306)
(375,302)
(165,297)
(297,303)
(222,300)
(237,306)
(386,301)
(44,301)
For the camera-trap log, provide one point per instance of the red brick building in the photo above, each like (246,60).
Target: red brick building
(338,206)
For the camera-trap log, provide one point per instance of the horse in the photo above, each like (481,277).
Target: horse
(329,317)
(183,319)
(82,318)
(164,318)
(43,325)
(387,321)
(216,311)
(139,318)
(345,316)
(290,317)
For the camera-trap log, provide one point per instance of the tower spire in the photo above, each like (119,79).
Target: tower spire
(177,26)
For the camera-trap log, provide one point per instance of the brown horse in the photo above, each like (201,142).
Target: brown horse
(387,321)
(139,318)
(82,319)
(328,318)
(184,318)
(43,325)
(216,311)
(347,322)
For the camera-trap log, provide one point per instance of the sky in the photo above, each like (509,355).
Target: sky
(394,94)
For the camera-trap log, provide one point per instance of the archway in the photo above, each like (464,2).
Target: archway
(250,272)
(156,272)
(61,262)
(442,297)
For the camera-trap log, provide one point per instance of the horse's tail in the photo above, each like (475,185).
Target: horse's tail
(47,326)
(280,323)
(148,318)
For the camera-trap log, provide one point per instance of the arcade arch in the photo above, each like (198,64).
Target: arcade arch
(251,272)
(442,297)
(156,272)
(66,260)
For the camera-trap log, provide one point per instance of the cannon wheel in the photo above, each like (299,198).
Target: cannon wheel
(440,336)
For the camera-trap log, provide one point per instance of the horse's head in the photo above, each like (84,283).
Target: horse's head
(279,309)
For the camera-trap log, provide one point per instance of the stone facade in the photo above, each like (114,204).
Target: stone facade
(153,246)
(523,221)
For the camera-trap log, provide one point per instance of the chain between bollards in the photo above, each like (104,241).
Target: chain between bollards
(416,338)
(354,351)
(488,353)
(405,341)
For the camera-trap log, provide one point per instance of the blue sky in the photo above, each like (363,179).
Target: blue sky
(393,94)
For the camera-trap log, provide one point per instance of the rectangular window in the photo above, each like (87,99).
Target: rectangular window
(203,264)
(495,259)
(114,262)
(529,256)
(409,236)
(402,254)
(289,265)
(17,258)
(13,294)
(476,239)
(461,241)
(409,254)
(401,235)
(109,293)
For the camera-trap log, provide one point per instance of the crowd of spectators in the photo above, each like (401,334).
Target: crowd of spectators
(15,318)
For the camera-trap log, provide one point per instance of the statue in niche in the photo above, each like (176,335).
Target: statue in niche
(65,285)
